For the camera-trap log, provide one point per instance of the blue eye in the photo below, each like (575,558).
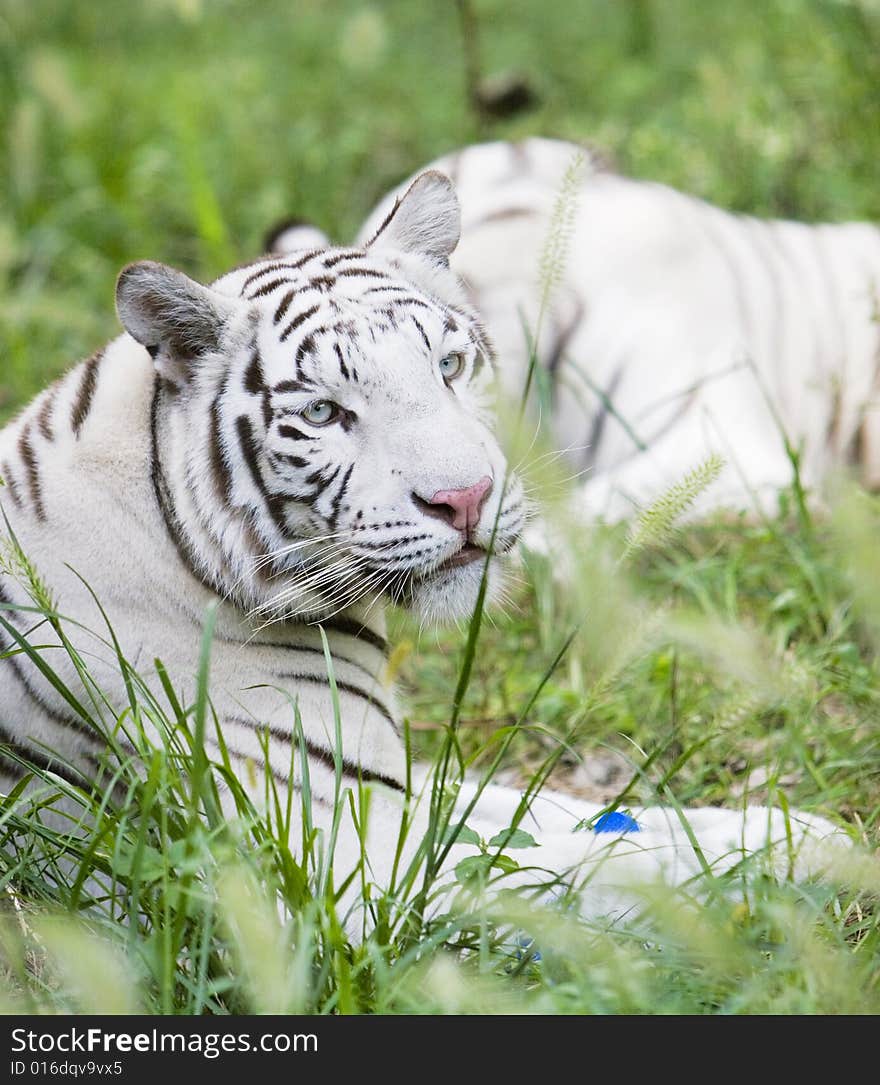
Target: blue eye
(321,413)
(451,366)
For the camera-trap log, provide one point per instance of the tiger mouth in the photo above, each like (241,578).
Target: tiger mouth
(465,556)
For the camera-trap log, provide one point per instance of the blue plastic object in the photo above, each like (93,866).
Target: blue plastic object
(615,822)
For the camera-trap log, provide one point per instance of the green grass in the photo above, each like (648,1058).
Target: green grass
(731,660)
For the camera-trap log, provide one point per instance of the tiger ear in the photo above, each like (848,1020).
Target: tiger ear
(177,319)
(426,219)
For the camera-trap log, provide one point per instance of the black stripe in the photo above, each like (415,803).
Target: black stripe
(26,451)
(337,500)
(165,502)
(306,346)
(322,282)
(343,368)
(421,331)
(219,466)
(40,760)
(280,265)
(10,767)
(265,564)
(305,258)
(268,287)
(310,649)
(325,757)
(274,503)
(277,774)
(264,270)
(416,301)
(318,476)
(285,387)
(389,288)
(253,376)
(44,417)
(352,254)
(297,320)
(83,401)
(405,541)
(248,446)
(283,306)
(290,433)
(463,315)
(65,722)
(366,272)
(385,222)
(397,563)
(351,628)
(11,485)
(294,461)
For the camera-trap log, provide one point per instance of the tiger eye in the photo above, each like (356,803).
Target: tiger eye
(451,367)
(321,413)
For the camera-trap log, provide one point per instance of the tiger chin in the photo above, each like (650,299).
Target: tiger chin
(291,447)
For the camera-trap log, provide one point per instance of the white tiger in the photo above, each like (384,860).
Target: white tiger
(297,444)
(676,329)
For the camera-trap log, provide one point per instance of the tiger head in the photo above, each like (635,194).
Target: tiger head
(322,432)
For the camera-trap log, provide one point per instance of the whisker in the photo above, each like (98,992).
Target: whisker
(535,436)
(257,563)
(554,454)
(354,596)
(282,551)
(311,584)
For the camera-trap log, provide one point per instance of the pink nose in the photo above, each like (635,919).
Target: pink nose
(461,508)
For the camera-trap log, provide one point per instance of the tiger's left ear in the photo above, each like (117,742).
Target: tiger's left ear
(177,319)
(426,220)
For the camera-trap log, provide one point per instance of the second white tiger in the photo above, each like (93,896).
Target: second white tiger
(674,329)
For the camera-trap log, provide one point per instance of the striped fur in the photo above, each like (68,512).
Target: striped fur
(182,467)
(677,329)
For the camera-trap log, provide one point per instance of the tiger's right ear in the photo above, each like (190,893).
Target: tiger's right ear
(426,219)
(177,319)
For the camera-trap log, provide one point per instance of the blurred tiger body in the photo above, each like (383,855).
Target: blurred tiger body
(295,446)
(673,329)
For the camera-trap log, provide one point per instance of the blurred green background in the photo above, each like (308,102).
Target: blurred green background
(181,129)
